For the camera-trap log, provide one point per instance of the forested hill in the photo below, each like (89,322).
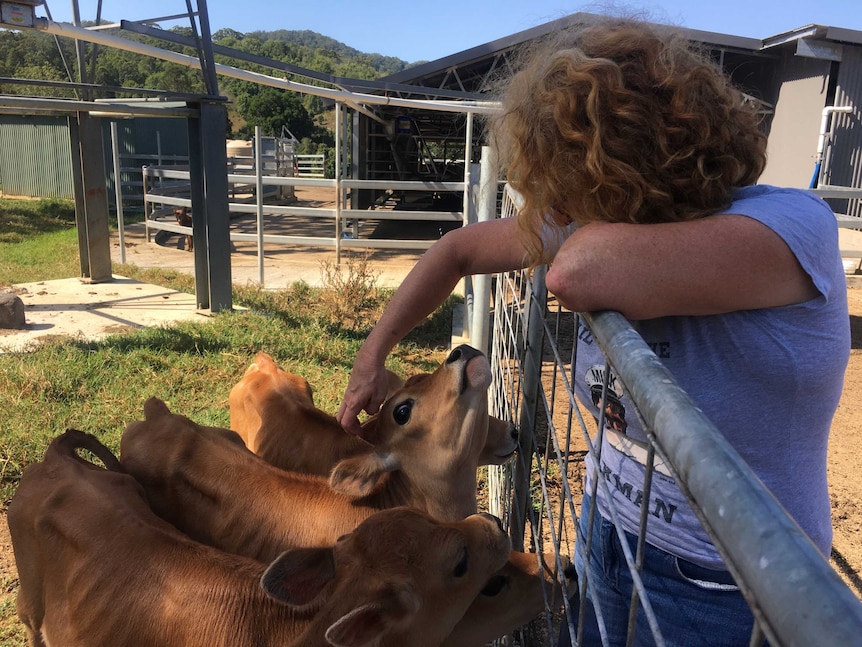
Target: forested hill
(36,55)
(383,64)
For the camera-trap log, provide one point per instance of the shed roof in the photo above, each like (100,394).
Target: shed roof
(474,62)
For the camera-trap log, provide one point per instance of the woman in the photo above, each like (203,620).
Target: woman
(637,162)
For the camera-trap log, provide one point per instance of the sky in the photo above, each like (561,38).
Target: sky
(413,30)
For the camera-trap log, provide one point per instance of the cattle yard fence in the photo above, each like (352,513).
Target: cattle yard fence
(795,595)
(334,225)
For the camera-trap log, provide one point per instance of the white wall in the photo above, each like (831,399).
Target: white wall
(792,143)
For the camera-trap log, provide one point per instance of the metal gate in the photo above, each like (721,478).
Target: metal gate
(796,597)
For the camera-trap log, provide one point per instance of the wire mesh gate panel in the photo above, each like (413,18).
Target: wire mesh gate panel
(795,596)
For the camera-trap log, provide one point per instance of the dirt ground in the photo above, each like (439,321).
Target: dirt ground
(845,460)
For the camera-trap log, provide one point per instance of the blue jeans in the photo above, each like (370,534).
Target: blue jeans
(693,605)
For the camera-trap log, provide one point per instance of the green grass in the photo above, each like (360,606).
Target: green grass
(52,256)
(38,241)
(12,633)
(22,220)
(101,386)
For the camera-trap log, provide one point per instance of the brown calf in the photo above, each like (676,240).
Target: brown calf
(184,219)
(519,592)
(97,568)
(297,436)
(274,413)
(205,481)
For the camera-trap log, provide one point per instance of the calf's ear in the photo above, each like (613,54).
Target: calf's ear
(367,624)
(393,383)
(155,408)
(298,577)
(361,475)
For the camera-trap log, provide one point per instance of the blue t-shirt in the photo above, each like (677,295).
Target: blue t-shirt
(769,379)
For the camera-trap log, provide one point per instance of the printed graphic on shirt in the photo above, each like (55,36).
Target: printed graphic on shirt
(585,335)
(657,505)
(616,424)
(615,412)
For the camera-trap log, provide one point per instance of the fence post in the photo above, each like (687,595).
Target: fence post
(338,206)
(118,191)
(535,310)
(210,207)
(468,156)
(485,210)
(258,180)
(94,200)
(145,188)
(468,218)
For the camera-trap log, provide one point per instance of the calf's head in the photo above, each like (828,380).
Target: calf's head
(264,380)
(434,429)
(400,573)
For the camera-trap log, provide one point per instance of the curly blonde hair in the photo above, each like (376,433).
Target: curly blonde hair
(617,122)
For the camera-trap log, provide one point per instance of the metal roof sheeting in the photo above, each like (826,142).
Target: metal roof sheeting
(35,157)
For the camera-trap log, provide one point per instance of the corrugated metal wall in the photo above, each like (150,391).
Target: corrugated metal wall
(843,164)
(36,160)
(35,157)
(140,140)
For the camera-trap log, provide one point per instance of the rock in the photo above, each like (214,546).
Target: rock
(11,311)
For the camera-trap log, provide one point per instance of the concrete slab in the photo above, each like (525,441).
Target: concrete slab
(91,311)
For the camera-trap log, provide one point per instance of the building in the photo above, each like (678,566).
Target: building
(797,77)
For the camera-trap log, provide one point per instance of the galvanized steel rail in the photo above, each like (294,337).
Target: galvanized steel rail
(155,198)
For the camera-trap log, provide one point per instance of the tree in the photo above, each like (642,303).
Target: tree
(33,54)
(271,108)
(26,54)
(176,78)
(226,32)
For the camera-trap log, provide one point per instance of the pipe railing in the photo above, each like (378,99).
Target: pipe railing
(174,192)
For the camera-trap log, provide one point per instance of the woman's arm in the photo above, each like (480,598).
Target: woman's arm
(480,248)
(707,266)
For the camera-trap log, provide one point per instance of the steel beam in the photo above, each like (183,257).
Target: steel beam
(210,209)
(94,199)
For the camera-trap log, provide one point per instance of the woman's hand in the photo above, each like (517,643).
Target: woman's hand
(367,389)
(480,248)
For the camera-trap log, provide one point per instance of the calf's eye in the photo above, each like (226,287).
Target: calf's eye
(461,567)
(401,413)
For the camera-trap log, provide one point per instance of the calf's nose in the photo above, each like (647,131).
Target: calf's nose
(493,518)
(462,353)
